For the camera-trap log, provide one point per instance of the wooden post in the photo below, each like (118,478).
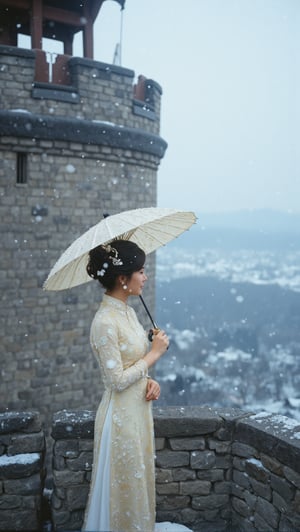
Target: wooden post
(37,24)
(88,41)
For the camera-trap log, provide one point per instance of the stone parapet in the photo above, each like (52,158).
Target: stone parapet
(22,474)
(266,473)
(214,469)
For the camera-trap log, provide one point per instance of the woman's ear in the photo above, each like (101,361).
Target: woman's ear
(122,279)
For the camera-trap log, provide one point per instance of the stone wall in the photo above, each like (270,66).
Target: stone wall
(266,473)
(215,469)
(85,151)
(22,474)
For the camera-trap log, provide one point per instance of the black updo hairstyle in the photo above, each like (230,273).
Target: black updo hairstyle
(120,257)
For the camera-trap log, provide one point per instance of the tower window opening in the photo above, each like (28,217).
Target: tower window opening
(21,168)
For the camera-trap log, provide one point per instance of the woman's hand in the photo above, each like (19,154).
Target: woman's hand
(152,390)
(160,341)
(160,344)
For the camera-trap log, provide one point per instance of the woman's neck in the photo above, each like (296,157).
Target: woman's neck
(118,293)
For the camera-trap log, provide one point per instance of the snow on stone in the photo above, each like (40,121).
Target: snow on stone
(287,422)
(260,415)
(256,462)
(26,458)
(20,111)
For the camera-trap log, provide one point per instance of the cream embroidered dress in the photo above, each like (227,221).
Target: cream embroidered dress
(122,494)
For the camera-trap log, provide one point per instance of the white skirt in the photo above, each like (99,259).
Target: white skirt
(98,517)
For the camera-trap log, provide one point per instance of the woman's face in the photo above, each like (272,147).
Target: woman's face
(136,282)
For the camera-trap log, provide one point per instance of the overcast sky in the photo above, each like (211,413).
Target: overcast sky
(230,73)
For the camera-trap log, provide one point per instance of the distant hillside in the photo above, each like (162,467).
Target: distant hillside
(206,303)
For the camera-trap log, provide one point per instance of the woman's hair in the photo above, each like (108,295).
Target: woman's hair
(120,257)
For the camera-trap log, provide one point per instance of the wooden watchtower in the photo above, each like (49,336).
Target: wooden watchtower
(54,19)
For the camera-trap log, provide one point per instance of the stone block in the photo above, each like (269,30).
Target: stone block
(195,487)
(170,516)
(221,447)
(26,486)
(223,461)
(242,479)
(279,502)
(67,478)
(164,475)
(183,474)
(223,487)
(72,425)
(10,502)
(238,463)
(213,475)
(241,507)
(263,490)
(58,463)
(159,443)
(188,421)
(77,497)
(296,503)
(60,518)
(172,502)
(238,491)
(187,444)
(26,443)
(250,499)
(83,462)
(166,458)
(209,502)
(169,488)
(286,525)
(283,487)
(243,524)
(202,459)
(243,450)
(292,476)
(19,422)
(257,470)
(268,512)
(56,503)
(189,516)
(21,520)
(19,465)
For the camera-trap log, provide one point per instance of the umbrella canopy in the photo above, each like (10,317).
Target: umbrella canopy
(150,228)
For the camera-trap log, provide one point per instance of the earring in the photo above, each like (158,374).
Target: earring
(124,286)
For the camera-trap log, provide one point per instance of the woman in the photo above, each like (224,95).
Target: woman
(122,494)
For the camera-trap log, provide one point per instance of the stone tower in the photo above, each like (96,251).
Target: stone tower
(77,139)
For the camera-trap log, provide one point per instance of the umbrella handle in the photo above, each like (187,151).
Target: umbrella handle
(151,333)
(148,312)
(155,329)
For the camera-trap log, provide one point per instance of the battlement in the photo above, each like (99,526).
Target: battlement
(89,90)
(216,469)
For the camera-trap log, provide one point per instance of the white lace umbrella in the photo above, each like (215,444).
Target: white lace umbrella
(150,228)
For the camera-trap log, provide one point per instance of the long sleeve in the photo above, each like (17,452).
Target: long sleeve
(107,349)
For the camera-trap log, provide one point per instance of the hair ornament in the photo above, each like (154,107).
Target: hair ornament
(113,255)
